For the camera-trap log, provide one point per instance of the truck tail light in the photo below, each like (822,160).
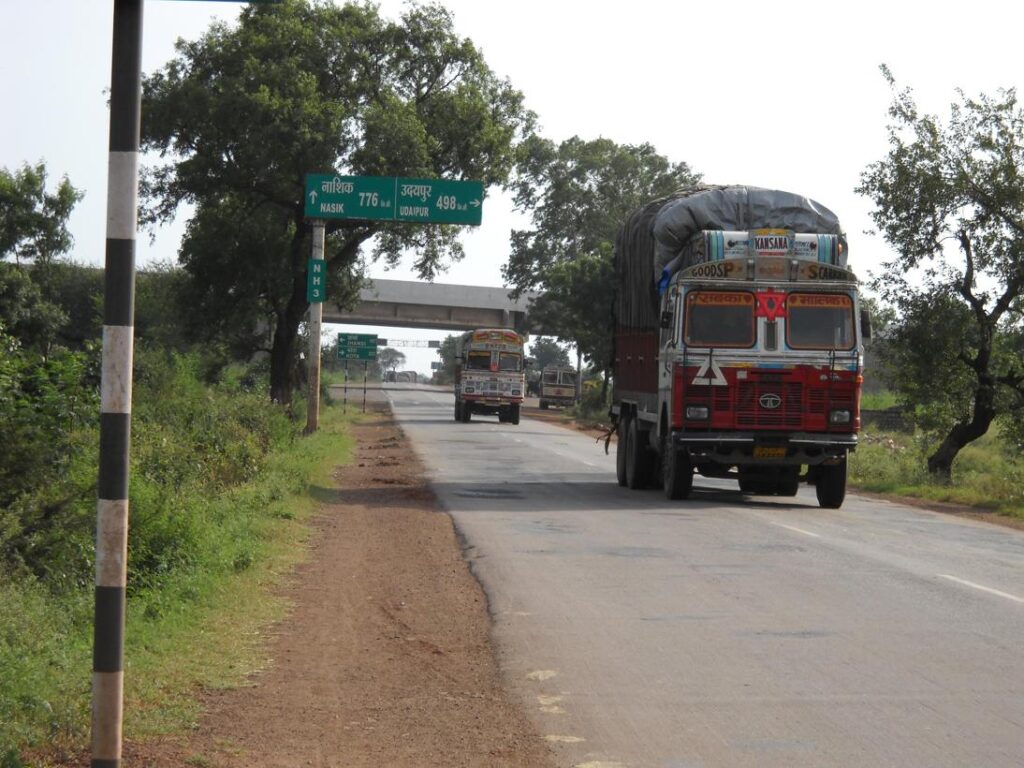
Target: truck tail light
(678,385)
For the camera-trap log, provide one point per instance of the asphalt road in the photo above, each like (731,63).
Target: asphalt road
(729,630)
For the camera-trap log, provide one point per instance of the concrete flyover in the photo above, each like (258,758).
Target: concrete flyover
(412,304)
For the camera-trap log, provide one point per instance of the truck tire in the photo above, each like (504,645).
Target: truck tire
(789,481)
(467,413)
(514,415)
(638,464)
(676,470)
(458,411)
(830,485)
(620,450)
(543,405)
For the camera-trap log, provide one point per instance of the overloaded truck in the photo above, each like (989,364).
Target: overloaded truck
(557,386)
(738,344)
(489,374)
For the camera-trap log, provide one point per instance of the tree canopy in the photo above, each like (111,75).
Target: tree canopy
(547,351)
(33,222)
(949,198)
(242,114)
(578,194)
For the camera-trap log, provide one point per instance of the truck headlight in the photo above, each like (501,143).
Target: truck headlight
(840,416)
(697,412)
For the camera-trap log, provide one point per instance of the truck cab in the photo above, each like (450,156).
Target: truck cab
(489,374)
(557,386)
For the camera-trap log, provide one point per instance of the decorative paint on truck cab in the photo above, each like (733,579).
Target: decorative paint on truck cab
(489,374)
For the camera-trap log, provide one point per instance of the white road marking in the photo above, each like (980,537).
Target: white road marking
(991,591)
(798,530)
(542,674)
(564,739)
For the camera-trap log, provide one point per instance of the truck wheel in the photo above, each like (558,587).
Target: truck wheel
(467,413)
(620,450)
(514,417)
(458,411)
(789,481)
(676,470)
(543,405)
(637,457)
(831,485)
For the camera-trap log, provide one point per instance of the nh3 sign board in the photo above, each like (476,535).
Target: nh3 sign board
(316,281)
(381,198)
(357,346)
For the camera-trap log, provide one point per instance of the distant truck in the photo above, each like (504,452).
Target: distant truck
(557,386)
(489,374)
(738,344)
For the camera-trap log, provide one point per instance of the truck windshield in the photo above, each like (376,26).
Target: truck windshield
(509,361)
(479,361)
(719,319)
(819,321)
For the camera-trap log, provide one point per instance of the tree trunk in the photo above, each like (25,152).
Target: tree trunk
(940,463)
(282,355)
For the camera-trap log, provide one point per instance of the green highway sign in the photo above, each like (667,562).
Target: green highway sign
(350,197)
(357,346)
(439,201)
(381,198)
(316,281)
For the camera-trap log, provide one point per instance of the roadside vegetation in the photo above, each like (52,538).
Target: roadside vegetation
(218,493)
(988,473)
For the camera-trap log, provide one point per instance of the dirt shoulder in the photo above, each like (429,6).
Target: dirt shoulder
(386,658)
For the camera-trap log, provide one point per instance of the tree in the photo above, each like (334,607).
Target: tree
(33,223)
(578,194)
(389,359)
(26,315)
(446,373)
(548,352)
(950,199)
(243,113)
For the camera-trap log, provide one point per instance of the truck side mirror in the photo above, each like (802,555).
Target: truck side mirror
(529,362)
(865,324)
(666,320)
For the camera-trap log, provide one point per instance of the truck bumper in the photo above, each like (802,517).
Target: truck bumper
(765,448)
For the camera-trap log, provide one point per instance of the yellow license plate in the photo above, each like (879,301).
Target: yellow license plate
(769,451)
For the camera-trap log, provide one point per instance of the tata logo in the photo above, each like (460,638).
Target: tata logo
(770,401)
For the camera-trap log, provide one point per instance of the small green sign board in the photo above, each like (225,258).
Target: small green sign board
(382,198)
(316,281)
(357,346)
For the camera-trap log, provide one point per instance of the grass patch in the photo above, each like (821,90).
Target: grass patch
(986,474)
(878,401)
(200,625)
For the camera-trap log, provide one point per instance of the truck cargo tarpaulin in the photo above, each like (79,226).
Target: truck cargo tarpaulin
(650,245)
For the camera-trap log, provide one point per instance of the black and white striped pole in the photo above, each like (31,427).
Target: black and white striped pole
(116,385)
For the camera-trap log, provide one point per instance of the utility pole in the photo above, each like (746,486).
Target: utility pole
(116,385)
(316,314)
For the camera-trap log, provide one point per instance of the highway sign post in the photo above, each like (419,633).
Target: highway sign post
(383,198)
(372,198)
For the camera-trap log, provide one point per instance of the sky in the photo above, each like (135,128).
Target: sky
(783,94)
